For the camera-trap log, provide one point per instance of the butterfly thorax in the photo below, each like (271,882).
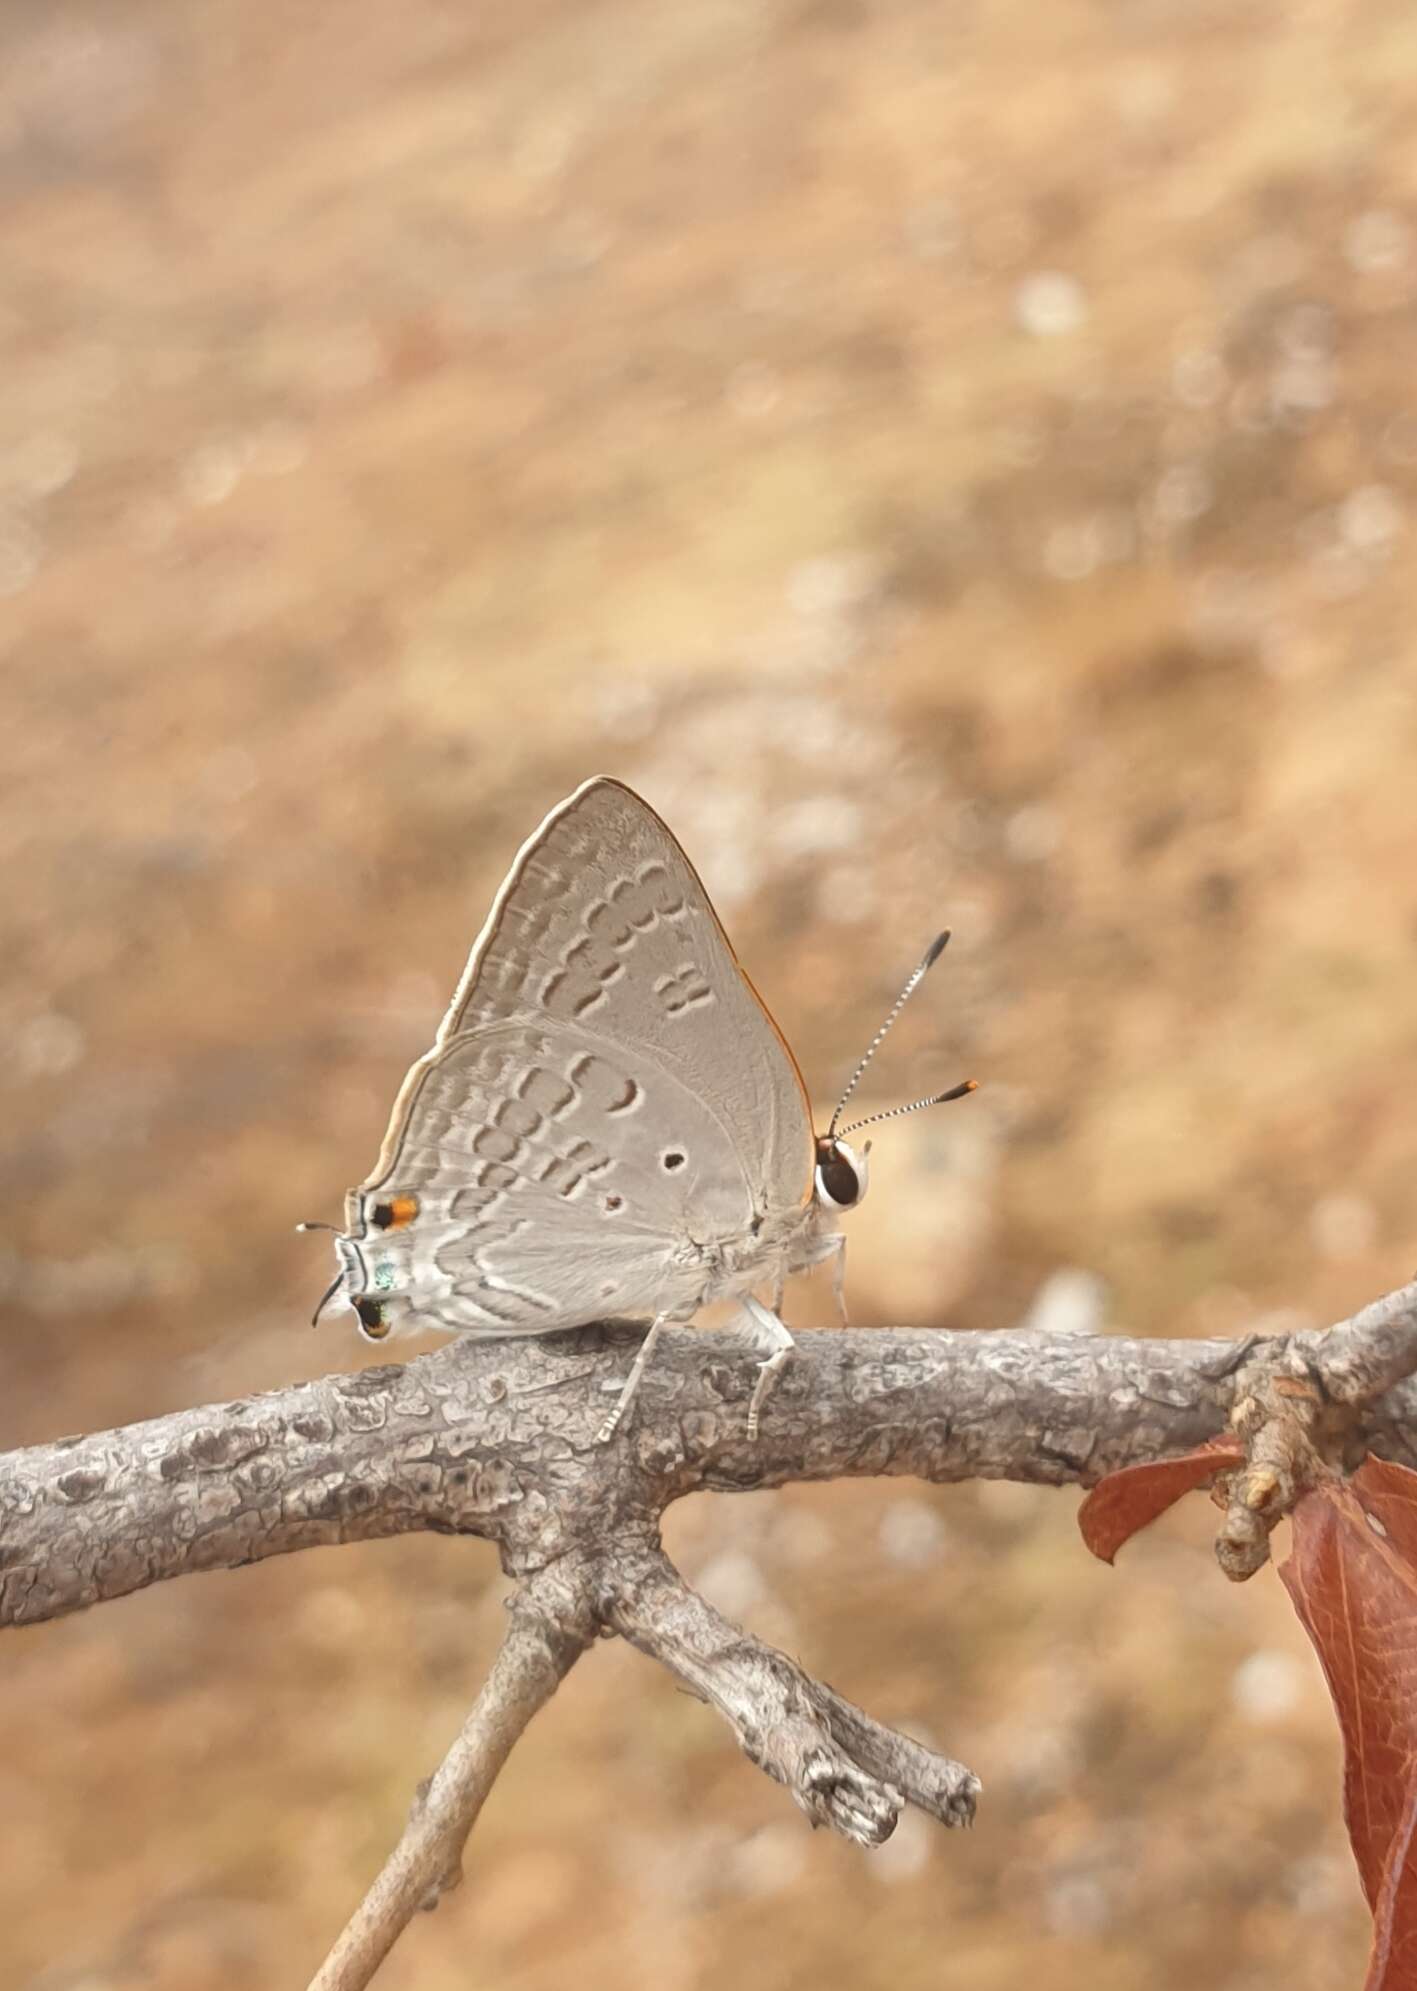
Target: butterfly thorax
(775,1247)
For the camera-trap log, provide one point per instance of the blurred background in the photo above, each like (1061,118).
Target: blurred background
(959,463)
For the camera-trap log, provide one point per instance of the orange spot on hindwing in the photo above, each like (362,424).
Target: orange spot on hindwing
(394,1213)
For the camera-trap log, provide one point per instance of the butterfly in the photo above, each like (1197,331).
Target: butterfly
(609,1124)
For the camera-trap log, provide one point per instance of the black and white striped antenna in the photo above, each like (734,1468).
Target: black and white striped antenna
(916,977)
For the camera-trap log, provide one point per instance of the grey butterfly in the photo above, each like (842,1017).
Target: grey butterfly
(609,1123)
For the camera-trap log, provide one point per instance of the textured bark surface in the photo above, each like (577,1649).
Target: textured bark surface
(843,1768)
(498,1439)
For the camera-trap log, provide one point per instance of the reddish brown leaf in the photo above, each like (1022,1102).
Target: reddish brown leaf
(1391,1966)
(1352,1575)
(1119,1506)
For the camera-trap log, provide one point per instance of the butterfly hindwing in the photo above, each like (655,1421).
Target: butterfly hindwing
(546,1195)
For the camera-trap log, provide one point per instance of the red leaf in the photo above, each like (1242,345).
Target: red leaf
(1390,1967)
(1352,1575)
(1119,1506)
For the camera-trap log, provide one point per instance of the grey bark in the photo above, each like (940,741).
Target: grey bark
(498,1439)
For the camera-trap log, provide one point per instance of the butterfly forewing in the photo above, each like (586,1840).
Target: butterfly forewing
(606,1093)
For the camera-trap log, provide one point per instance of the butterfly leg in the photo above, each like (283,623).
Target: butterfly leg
(632,1381)
(769,1333)
(838,1274)
(830,1249)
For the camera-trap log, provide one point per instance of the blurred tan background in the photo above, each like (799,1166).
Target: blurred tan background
(959,462)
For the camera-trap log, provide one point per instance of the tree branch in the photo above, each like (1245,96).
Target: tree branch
(498,1439)
(1300,1410)
(842,1768)
(1361,1359)
(552,1624)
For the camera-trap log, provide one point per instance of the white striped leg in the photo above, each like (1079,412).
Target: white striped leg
(632,1381)
(838,1265)
(768,1331)
(831,1247)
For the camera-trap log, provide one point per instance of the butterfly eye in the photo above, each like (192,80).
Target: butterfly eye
(372,1324)
(841,1175)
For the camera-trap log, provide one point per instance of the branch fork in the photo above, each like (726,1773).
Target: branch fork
(498,1440)
(842,1768)
(1302,1407)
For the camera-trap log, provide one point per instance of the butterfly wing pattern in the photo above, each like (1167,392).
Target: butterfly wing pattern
(609,1122)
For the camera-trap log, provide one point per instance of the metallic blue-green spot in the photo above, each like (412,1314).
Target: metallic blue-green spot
(384,1274)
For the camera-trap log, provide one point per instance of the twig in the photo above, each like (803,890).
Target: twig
(550,1628)
(1301,1405)
(842,1768)
(1362,1358)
